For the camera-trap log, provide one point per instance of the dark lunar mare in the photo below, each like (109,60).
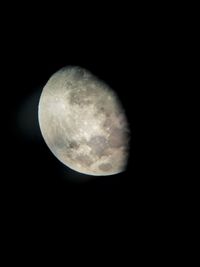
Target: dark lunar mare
(98,144)
(105,167)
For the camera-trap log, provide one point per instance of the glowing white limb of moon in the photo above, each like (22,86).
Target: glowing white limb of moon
(83,123)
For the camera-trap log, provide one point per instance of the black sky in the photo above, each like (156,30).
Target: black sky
(127,51)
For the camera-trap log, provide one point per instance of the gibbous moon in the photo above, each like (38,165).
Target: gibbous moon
(83,122)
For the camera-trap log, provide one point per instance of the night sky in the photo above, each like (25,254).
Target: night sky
(126,54)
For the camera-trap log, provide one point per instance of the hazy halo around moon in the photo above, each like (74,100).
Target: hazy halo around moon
(83,122)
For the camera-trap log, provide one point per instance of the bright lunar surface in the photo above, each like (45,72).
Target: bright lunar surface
(83,122)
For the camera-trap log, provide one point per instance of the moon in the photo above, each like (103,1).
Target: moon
(83,123)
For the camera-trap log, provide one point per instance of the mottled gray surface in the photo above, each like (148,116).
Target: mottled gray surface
(98,144)
(105,167)
(83,123)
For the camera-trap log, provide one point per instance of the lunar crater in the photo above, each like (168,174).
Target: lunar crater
(73,145)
